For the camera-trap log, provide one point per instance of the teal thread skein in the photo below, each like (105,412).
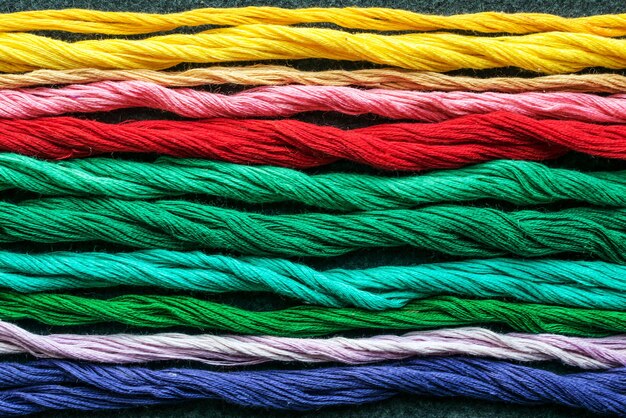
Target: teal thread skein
(589,284)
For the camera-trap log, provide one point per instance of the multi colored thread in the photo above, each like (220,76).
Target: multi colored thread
(529,167)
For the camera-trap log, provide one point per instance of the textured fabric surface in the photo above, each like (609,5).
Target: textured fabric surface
(400,407)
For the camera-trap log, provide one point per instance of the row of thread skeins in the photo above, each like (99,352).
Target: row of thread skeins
(357,225)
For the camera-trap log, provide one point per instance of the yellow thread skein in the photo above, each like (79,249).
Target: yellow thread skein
(126,23)
(552,52)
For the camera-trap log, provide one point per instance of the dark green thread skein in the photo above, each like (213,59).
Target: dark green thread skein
(457,230)
(307,321)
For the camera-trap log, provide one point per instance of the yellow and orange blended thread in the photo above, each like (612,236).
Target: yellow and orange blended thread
(556,276)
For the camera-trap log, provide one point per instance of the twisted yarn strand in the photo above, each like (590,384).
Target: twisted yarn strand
(387,78)
(590,284)
(234,350)
(456,230)
(51,384)
(519,182)
(307,321)
(291,143)
(550,52)
(380,19)
(280,101)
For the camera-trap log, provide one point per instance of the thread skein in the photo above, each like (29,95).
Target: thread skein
(281,101)
(570,283)
(275,75)
(307,321)
(234,350)
(456,230)
(519,182)
(550,52)
(291,143)
(380,19)
(51,384)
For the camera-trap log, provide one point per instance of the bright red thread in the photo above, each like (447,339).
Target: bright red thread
(403,146)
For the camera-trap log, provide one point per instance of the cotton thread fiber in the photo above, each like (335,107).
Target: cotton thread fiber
(50,384)
(457,230)
(282,101)
(566,283)
(106,392)
(307,321)
(519,182)
(381,19)
(233,350)
(387,78)
(551,52)
(291,143)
